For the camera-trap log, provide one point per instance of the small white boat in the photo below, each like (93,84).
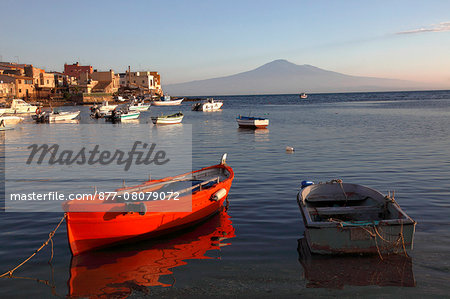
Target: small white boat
(303,96)
(20,106)
(55,116)
(167,101)
(209,105)
(138,106)
(168,119)
(11,120)
(252,122)
(350,218)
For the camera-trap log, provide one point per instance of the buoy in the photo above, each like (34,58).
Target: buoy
(289,149)
(219,194)
(306,184)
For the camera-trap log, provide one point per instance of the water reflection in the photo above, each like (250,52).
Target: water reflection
(338,271)
(117,272)
(259,135)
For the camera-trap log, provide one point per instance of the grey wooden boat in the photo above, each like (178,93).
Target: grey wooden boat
(350,218)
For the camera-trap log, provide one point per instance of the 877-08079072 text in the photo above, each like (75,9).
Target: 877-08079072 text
(103,196)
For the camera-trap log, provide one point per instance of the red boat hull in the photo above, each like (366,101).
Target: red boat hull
(93,230)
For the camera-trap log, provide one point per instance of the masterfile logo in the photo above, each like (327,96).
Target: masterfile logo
(140,153)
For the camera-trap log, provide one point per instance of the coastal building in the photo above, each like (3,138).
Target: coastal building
(75,70)
(149,81)
(99,82)
(85,83)
(7,87)
(63,80)
(107,82)
(11,68)
(157,79)
(23,86)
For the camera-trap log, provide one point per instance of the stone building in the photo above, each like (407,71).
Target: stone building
(75,70)
(7,87)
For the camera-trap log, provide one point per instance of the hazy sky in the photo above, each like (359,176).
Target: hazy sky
(191,39)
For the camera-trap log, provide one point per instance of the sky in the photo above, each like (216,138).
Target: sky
(193,39)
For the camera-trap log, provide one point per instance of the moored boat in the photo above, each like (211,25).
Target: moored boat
(350,218)
(168,119)
(122,114)
(138,106)
(19,106)
(209,105)
(303,96)
(54,116)
(167,101)
(118,221)
(10,120)
(252,122)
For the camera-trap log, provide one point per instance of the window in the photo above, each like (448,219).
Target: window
(48,81)
(20,90)
(20,81)
(143,81)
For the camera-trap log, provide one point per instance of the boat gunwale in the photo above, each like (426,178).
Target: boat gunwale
(148,184)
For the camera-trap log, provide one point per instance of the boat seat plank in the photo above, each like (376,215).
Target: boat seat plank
(334,197)
(343,210)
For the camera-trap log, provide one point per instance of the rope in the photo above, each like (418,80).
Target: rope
(393,244)
(50,236)
(339,181)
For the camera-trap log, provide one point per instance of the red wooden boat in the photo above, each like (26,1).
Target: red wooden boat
(118,221)
(118,273)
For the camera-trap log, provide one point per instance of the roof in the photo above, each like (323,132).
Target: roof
(7,79)
(102,85)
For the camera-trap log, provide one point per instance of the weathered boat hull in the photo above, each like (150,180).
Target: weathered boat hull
(359,220)
(351,240)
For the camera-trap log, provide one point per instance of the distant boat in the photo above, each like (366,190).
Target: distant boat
(350,218)
(168,119)
(105,107)
(138,106)
(167,101)
(252,122)
(54,116)
(3,124)
(10,120)
(19,106)
(303,96)
(94,224)
(209,105)
(122,114)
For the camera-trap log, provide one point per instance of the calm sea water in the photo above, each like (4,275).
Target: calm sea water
(389,141)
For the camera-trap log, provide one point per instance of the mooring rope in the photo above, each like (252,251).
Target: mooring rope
(387,243)
(50,236)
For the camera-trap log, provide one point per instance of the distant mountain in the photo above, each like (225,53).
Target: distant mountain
(283,77)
